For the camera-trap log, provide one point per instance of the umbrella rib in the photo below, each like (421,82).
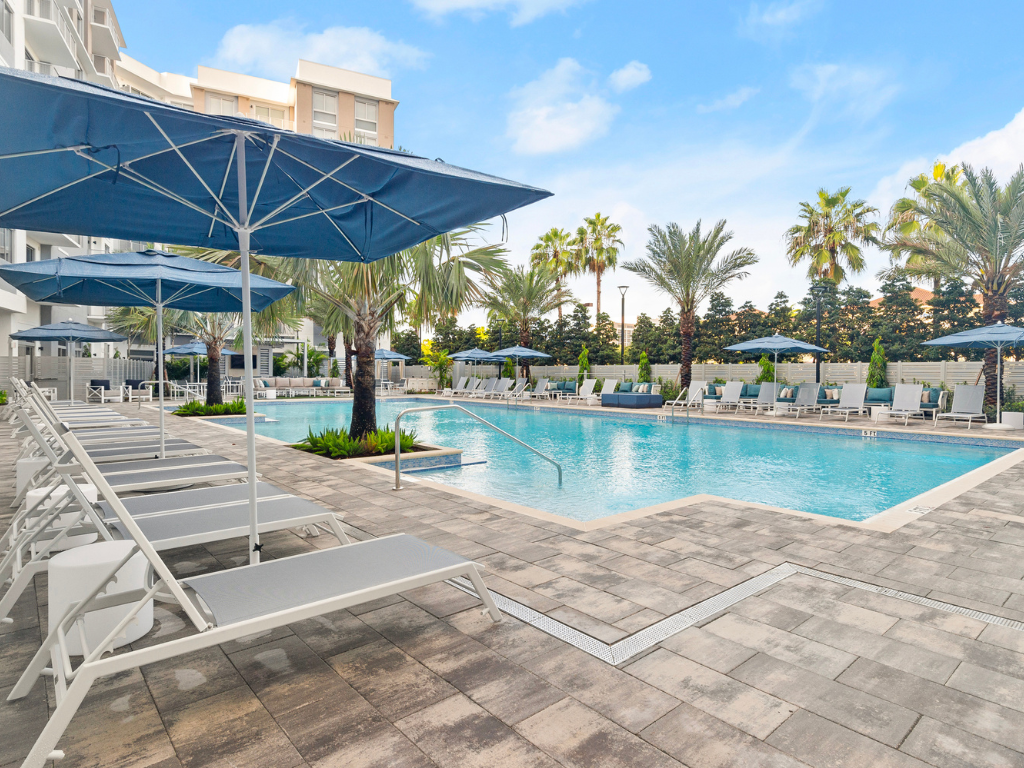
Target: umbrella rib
(224,182)
(353,189)
(177,151)
(302,193)
(51,192)
(313,213)
(266,167)
(33,152)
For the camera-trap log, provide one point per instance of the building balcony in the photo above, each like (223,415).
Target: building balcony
(104,69)
(49,34)
(58,239)
(105,40)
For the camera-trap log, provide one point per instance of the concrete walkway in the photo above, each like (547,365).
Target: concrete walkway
(809,671)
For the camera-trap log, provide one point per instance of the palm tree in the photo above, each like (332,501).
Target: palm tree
(831,235)
(597,244)
(139,323)
(521,297)
(555,249)
(972,229)
(423,284)
(689,267)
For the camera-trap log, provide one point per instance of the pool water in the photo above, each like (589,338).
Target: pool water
(614,464)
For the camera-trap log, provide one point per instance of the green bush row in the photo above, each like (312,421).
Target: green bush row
(335,443)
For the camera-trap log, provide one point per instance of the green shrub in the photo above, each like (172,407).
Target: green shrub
(766,370)
(644,372)
(669,390)
(584,363)
(199,408)
(3,397)
(508,370)
(335,443)
(876,368)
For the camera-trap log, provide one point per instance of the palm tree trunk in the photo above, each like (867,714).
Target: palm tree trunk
(687,328)
(597,304)
(993,310)
(214,396)
(525,341)
(364,399)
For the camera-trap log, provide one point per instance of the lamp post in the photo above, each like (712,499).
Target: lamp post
(622,326)
(501,328)
(817,291)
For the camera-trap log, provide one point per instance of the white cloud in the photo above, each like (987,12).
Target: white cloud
(629,77)
(558,111)
(860,92)
(522,11)
(731,101)
(776,20)
(1002,150)
(271,50)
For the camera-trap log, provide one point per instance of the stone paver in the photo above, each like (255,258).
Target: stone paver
(806,673)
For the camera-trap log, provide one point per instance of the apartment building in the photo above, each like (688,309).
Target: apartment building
(320,100)
(72,38)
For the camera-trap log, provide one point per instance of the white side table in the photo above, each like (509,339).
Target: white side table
(1014,419)
(69,542)
(878,410)
(74,574)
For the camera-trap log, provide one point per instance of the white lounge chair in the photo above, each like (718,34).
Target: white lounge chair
(471,386)
(485,389)
(586,391)
(539,392)
(501,388)
(228,605)
(519,391)
(607,388)
(806,401)
(968,405)
(851,400)
(730,396)
(766,397)
(690,397)
(906,402)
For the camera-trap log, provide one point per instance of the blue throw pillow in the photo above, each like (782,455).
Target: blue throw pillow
(626,386)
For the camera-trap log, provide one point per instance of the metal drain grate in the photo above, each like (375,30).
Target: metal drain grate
(627,647)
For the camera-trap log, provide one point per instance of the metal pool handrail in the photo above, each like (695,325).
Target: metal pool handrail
(398,438)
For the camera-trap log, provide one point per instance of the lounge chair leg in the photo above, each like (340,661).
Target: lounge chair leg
(44,748)
(337,530)
(484,594)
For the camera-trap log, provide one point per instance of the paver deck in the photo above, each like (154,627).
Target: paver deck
(807,672)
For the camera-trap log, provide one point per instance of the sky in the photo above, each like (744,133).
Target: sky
(651,112)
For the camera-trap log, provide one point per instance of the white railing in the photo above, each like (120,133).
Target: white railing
(48,9)
(39,67)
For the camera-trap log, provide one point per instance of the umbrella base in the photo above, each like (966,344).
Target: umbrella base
(999,427)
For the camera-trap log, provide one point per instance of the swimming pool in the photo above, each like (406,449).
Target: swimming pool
(615,464)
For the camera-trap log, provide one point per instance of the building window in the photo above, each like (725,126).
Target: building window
(6,244)
(366,122)
(30,253)
(325,114)
(219,104)
(271,115)
(7,21)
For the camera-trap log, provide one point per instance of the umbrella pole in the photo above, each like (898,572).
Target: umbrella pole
(71,372)
(160,361)
(250,418)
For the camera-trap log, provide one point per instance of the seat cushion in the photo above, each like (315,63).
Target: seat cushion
(879,395)
(102,383)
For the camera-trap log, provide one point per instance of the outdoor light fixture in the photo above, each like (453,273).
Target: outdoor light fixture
(622,327)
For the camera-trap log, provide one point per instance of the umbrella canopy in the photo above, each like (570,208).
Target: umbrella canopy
(193,348)
(474,355)
(68,332)
(387,354)
(520,353)
(995,336)
(105,163)
(775,345)
(143,279)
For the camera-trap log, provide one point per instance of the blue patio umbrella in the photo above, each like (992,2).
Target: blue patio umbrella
(774,345)
(387,354)
(79,158)
(995,336)
(519,353)
(192,349)
(142,279)
(474,355)
(69,332)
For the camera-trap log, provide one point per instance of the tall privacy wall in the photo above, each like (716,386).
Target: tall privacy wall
(948,373)
(49,371)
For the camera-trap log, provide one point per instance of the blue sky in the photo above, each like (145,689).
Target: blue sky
(651,112)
